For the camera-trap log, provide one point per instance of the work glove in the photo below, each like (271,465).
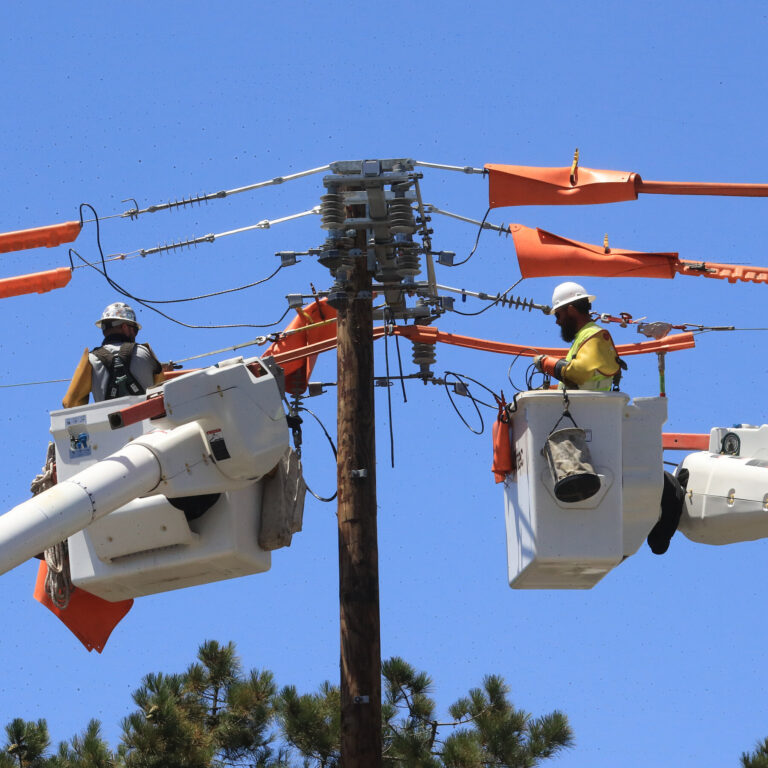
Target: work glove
(537,363)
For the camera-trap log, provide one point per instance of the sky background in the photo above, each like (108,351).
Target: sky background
(664,660)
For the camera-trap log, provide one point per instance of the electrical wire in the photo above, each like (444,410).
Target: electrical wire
(477,240)
(33,383)
(134,213)
(461,378)
(499,298)
(123,292)
(389,402)
(333,448)
(515,358)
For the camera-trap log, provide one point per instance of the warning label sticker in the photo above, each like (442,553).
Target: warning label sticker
(79,439)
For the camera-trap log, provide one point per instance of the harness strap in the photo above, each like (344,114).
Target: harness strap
(118,365)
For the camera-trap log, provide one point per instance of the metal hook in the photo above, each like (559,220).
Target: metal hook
(132,213)
(574,167)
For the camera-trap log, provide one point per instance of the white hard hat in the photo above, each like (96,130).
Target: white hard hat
(118,311)
(567,293)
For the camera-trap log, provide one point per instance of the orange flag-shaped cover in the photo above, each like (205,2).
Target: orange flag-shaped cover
(543,254)
(91,619)
(524,185)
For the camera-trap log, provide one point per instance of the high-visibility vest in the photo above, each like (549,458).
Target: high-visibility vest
(599,382)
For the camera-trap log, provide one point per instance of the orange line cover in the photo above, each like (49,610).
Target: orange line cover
(543,254)
(50,236)
(676,441)
(36,282)
(527,185)
(524,185)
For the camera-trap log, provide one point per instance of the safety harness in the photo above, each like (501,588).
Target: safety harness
(121,381)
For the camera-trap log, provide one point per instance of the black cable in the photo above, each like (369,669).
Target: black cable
(389,400)
(477,240)
(215,293)
(400,366)
(492,304)
(460,377)
(525,375)
(123,292)
(333,448)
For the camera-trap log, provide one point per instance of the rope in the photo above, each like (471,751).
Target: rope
(58,582)
(333,448)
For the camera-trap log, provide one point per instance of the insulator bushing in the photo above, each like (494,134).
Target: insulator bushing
(424,355)
(408,263)
(333,212)
(401,219)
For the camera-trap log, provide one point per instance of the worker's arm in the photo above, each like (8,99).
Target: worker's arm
(80,387)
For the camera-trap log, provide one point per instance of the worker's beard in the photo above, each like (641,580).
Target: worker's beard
(568,330)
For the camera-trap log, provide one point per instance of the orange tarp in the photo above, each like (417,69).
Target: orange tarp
(88,617)
(50,236)
(37,282)
(543,254)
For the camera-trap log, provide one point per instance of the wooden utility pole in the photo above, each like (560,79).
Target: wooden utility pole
(358,544)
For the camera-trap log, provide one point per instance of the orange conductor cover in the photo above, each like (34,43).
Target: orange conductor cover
(525,185)
(543,254)
(50,236)
(37,282)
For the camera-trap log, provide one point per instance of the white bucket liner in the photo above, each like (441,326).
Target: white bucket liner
(557,545)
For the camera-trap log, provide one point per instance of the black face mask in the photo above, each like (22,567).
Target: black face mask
(568,330)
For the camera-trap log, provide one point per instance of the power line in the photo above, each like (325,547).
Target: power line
(117,287)
(135,212)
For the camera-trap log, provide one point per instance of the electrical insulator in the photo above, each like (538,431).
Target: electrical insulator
(333,211)
(401,219)
(424,356)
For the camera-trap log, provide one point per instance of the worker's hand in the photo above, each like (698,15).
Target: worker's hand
(537,362)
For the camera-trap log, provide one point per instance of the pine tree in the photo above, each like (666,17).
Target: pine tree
(27,742)
(210,715)
(88,750)
(214,715)
(758,758)
(311,723)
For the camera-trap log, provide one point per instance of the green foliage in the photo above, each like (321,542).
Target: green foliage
(311,723)
(215,715)
(758,758)
(88,750)
(27,743)
(487,731)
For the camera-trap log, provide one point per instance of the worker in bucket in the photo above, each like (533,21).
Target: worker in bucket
(119,366)
(592,362)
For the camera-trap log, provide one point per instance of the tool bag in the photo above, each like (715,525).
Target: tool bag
(282,505)
(569,460)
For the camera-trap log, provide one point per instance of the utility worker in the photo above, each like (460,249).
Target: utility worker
(592,362)
(119,366)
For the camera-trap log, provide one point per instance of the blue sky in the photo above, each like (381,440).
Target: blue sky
(664,659)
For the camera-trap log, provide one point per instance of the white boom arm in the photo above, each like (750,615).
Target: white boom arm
(228,405)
